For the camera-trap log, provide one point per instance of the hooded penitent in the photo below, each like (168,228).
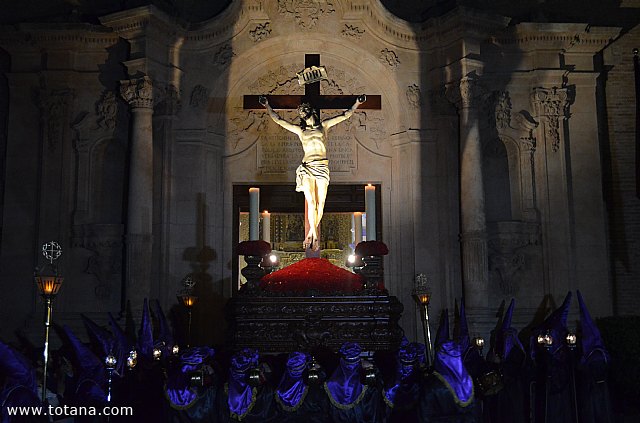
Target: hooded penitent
(99,335)
(292,388)
(179,390)
(472,356)
(145,334)
(91,378)
(507,337)
(165,336)
(554,367)
(344,387)
(594,400)
(242,396)
(448,367)
(121,345)
(591,339)
(20,388)
(555,325)
(443,329)
(401,390)
(463,334)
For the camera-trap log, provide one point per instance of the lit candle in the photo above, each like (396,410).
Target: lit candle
(266,226)
(370,210)
(254,214)
(357,227)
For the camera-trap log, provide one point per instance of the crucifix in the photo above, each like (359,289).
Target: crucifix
(312,176)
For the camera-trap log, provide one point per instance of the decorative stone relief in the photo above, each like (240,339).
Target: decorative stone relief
(280,152)
(503,267)
(81,128)
(199,97)
(551,105)
(281,81)
(223,56)
(168,103)
(260,32)
(370,122)
(512,246)
(107,110)
(246,124)
(414,97)
(137,92)
(342,82)
(284,81)
(525,123)
(502,109)
(53,106)
(389,58)
(306,12)
(105,242)
(352,31)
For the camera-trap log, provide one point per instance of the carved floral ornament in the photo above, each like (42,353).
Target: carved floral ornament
(199,97)
(502,109)
(551,105)
(223,56)
(352,31)
(137,92)
(53,106)
(107,110)
(260,32)
(389,58)
(414,96)
(306,12)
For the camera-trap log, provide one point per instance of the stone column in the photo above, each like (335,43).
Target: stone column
(551,109)
(475,273)
(139,94)
(167,105)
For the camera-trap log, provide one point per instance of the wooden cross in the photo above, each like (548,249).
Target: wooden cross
(318,101)
(312,95)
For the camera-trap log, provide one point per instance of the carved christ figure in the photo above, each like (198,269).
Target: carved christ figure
(312,176)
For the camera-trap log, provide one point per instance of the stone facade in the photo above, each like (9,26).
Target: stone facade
(125,140)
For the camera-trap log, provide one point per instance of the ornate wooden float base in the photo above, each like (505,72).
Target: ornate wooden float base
(276,324)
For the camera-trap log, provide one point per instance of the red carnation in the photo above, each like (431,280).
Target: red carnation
(254,248)
(371,248)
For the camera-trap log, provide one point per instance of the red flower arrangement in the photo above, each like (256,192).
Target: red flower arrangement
(371,248)
(254,248)
(312,274)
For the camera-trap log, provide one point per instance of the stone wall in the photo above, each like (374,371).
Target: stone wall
(618,143)
(125,139)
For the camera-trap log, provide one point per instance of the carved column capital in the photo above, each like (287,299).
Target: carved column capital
(551,106)
(464,93)
(137,92)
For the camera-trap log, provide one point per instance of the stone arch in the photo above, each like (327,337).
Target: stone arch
(249,69)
